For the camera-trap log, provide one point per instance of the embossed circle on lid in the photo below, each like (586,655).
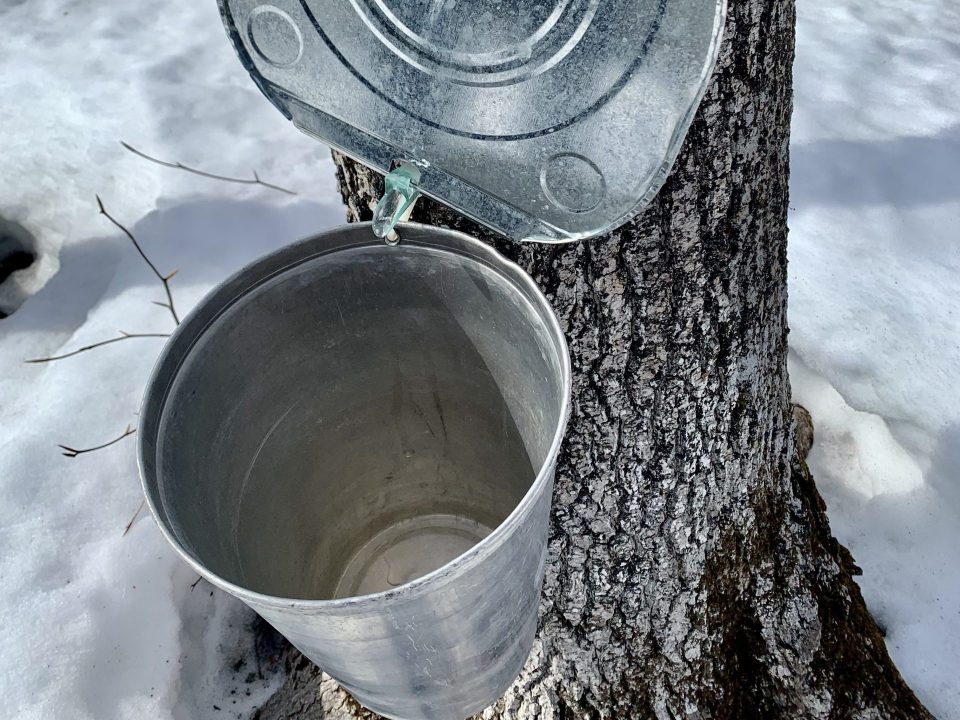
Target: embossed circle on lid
(507,70)
(505,44)
(275,36)
(573,182)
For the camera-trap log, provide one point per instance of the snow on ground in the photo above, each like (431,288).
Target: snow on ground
(875,309)
(101,625)
(97,625)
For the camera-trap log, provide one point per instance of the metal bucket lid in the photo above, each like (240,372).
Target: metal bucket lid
(548,121)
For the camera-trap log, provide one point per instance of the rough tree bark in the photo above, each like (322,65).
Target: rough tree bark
(692,572)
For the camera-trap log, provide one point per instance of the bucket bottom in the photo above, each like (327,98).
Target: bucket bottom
(406,551)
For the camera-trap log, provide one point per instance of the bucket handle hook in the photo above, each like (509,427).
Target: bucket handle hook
(400,193)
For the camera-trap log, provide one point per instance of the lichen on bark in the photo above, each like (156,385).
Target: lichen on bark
(691,569)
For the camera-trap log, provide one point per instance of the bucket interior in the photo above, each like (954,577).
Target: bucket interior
(356,421)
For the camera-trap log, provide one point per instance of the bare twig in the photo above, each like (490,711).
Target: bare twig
(180,166)
(85,348)
(73,452)
(135,516)
(165,279)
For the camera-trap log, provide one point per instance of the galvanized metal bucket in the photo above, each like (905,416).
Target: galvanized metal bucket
(359,441)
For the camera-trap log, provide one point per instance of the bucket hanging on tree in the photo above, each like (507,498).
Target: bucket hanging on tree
(358,438)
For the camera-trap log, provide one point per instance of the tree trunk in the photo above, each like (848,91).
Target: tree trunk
(691,569)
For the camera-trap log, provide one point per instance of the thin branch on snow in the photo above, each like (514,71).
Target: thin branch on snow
(133,519)
(180,166)
(71,452)
(165,279)
(85,348)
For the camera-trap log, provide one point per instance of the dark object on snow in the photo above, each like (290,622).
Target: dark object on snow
(16,251)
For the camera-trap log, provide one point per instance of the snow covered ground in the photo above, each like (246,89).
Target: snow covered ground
(875,309)
(102,625)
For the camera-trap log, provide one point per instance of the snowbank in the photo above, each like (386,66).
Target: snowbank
(875,310)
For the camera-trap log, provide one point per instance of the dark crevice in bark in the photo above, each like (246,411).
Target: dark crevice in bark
(756,697)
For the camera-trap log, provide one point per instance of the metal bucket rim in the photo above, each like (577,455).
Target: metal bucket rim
(480,252)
